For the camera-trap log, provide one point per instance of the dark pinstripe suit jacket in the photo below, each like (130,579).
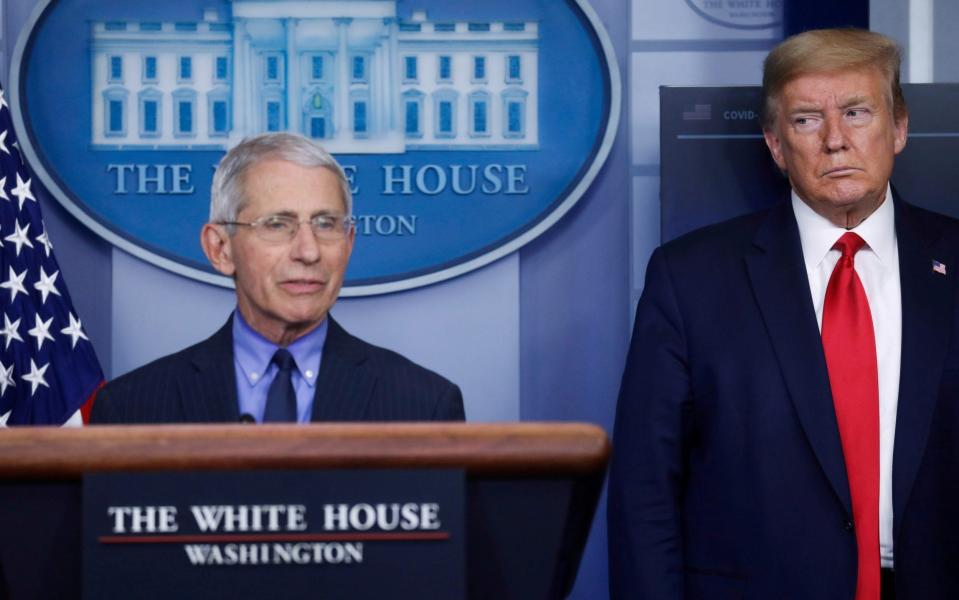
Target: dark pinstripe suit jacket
(357,382)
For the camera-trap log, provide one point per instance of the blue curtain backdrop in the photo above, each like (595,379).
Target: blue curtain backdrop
(802,15)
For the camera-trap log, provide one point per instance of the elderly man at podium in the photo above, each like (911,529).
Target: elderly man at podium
(281,226)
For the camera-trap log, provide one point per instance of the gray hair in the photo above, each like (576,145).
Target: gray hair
(228,196)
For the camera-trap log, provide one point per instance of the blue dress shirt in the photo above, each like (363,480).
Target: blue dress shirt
(252,356)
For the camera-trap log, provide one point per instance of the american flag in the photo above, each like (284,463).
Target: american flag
(700,112)
(938,267)
(48,369)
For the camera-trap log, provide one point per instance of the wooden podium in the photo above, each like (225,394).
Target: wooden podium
(531,488)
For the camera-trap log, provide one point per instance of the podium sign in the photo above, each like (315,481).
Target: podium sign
(229,534)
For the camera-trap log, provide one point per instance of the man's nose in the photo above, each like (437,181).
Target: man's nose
(304,246)
(834,133)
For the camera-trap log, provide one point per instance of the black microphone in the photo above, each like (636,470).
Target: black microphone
(247,419)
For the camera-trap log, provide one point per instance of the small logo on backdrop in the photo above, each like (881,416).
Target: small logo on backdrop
(453,121)
(699,112)
(740,14)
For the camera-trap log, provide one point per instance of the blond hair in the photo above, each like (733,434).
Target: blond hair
(830,50)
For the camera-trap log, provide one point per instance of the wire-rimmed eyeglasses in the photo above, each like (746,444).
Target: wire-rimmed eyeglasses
(283,228)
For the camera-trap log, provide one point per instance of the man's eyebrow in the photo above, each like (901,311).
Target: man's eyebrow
(281,213)
(856,100)
(805,108)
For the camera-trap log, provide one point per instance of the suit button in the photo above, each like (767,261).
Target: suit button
(847,526)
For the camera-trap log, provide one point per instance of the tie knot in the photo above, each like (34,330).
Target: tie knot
(284,360)
(849,244)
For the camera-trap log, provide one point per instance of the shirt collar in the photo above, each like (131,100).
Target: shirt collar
(818,235)
(254,352)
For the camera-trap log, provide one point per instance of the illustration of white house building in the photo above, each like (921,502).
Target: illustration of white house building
(347,73)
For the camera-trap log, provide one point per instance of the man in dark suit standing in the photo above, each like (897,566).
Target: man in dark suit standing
(788,423)
(281,226)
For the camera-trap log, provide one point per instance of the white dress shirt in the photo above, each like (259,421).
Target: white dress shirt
(877,265)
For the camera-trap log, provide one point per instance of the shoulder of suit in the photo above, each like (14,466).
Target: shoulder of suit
(166,366)
(930,220)
(391,363)
(732,236)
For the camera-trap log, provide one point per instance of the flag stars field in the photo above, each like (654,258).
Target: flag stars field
(62,377)
(19,237)
(41,331)
(22,191)
(75,331)
(6,378)
(9,331)
(44,240)
(35,376)
(14,283)
(46,286)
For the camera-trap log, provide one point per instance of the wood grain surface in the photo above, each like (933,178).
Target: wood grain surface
(507,449)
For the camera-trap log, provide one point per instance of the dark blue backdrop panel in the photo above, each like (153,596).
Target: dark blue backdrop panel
(801,15)
(715,165)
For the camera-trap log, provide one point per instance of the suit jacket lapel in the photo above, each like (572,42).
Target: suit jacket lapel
(346,379)
(927,309)
(778,276)
(208,391)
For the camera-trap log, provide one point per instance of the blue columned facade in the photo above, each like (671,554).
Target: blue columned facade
(348,74)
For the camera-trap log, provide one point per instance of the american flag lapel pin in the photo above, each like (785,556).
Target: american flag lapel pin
(938,267)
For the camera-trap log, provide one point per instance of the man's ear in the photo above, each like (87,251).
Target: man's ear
(902,132)
(775,147)
(350,240)
(216,244)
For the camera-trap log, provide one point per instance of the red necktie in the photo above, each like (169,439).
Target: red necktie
(850,347)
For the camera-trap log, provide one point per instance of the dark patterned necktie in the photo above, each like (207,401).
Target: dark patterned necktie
(281,398)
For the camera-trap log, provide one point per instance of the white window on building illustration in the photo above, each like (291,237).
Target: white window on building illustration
(185,69)
(184,113)
(514,71)
(445,68)
(221,68)
(360,106)
(318,122)
(149,69)
(514,113)
(479,109)
(274,114)
(358,71)
(316,67)
(115,108)
(479,68)
(272,68)
(413,113)
(317,127)
(219,112)
(444,113)
(116,69)
(150,104)
(410,73)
